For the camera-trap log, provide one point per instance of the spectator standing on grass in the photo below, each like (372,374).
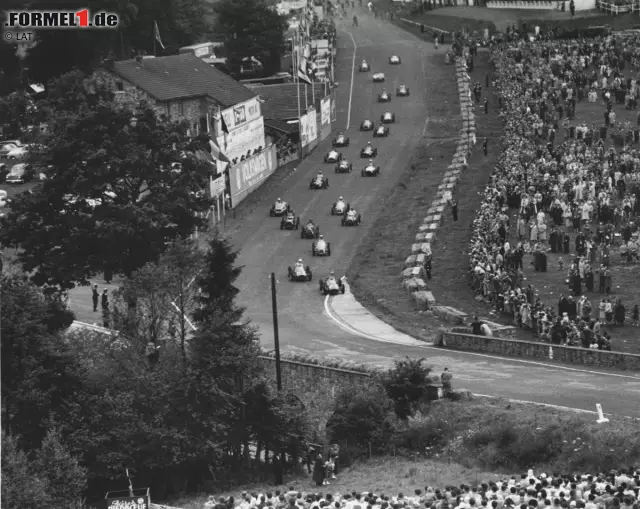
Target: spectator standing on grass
(319,471)
(476,326)
(454,209)
(445,379)
(95,296)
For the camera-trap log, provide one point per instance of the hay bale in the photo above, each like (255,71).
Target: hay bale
(411,260)
(421,300)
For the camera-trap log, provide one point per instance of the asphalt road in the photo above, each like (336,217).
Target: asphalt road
(303,325)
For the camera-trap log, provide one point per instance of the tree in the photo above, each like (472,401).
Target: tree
(407,384)
(251,28)
(112,200)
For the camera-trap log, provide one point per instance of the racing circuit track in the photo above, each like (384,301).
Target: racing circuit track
(304,327)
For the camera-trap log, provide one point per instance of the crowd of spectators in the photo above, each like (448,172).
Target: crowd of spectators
(612,490)
(561,186)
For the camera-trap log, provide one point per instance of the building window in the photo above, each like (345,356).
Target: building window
(119,86)
(180,107)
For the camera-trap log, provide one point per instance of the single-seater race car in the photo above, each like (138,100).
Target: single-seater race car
(333,156)
(378,77)
(331,285)
(299,272)
(351,218)
(279,208)
(341,141)
(290,221)
(384,97)
(368,151)
(321,247)
(402,91)
(382,131)
(344,166)
(319,182)
(366,125)
(339,207)
(388,118)
(395,60)
(364,66)
(370,170)
(310,231)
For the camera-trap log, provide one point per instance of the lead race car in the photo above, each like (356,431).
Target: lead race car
(333,156)
(388,118)
(384,97)
(370,170)
(402,91)
(351,218)
(382,131)
(279,208)
(339,207)
(368,151)
(364,66)
(321,247)
(319,182)
(366,125)
(395,60)
(310,231)
(341,141)
(299,272)
(331,285)
(378,77)
(344,166)
(290,221)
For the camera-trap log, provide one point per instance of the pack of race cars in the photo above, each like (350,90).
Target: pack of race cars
(331,285)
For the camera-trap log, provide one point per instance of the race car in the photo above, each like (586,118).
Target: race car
(388,118)
(299,272)
(321,248)
(381,132)
(331,285)
(319,182)
(339,207)
(344,166)
(368,151)
(351,218)
(370,170)
(378,77)
(341,141)
(366,125)
(333,156)
(384,97)
(279,208)
(395,60)
(290,221)
(310,231)
(402,91)
(364,66)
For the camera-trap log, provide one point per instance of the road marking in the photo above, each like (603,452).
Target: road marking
(353,72)
(356,332)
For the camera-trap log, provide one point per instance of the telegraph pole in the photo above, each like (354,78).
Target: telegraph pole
(276,337)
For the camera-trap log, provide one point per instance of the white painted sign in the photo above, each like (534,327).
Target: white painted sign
(241,114)
(238,142)
(217,186)
(325,111)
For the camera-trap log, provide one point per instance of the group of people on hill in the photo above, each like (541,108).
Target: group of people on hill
(562,188)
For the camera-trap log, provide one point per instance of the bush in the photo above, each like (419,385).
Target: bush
(406,385)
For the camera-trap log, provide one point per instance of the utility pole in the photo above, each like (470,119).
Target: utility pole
(276,337)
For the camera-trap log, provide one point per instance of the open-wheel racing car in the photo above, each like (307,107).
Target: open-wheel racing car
(279,208)
(367,125)
(331,285)
(368,151)
(341,141)
(364,66)
(333,156)
(290,221)
(339,207)
(351,218)
(370,170)
(378,77)
(384,97)
(344,166)
(388,118)
(321,248)
(319,182)
(299,272)
(395,60)
(381,132)
(402,91)
(310,231)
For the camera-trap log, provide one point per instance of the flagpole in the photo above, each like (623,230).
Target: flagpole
(153,30)
(296,70)
(306,97)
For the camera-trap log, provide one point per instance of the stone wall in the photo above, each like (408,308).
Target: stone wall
(541,351)
(315,375)
(413,275)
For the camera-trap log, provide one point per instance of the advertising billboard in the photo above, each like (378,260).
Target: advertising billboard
(249,136)
(325,109)
(308,127)
(241,114)
(251,174)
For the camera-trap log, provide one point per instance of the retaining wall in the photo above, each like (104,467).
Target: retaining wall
(314,375)
(540,351)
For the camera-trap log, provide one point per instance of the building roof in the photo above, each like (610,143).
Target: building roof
(281,100)
(280,125)
(181,77)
